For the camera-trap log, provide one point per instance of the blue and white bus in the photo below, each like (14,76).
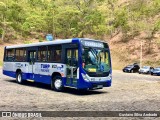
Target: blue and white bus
(79,63)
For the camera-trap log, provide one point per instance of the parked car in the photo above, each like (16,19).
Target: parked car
(131,68)
(155,71)
(146,69)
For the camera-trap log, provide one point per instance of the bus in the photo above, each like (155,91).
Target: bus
(79,63)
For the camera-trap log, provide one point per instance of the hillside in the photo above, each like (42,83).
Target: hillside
(122,53)
(123,23)
(129,52)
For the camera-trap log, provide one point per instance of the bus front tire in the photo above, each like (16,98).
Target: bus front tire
(19,78)
(56,84)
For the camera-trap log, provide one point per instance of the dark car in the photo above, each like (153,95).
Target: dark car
(156,71)
(131,68)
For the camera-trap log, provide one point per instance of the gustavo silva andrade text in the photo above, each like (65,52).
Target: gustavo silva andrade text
(138,114)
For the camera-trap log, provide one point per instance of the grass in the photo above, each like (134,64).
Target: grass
(27,42)
(1,63)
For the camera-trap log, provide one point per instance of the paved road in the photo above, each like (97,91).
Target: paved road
(129,91)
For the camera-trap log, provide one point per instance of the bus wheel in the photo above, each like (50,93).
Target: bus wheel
(19,78)
(57,84)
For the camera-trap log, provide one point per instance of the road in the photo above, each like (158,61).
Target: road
(129,92)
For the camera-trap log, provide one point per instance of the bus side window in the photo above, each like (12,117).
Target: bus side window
(58,56)
(50,55)
(42,54)
(54,53)
(20,54)
(9,55)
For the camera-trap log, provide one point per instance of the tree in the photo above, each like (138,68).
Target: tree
(3,22)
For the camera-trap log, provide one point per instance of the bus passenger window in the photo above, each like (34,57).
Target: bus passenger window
(9,55)
(20,55)
(42,54)
(58,55)
(54,53)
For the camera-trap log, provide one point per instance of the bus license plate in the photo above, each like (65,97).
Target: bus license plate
(99,86)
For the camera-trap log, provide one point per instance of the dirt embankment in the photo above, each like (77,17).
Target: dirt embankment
(124,53)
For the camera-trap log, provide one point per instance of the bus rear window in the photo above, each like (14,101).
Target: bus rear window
(9,56)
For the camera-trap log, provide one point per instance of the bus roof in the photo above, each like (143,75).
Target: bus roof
(41,43)
(57,41)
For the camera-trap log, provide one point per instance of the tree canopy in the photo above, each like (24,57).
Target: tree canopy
(78,18)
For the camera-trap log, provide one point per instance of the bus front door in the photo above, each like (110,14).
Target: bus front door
(72,67)
(31,60)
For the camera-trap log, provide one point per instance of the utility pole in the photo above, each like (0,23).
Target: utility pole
(141,53)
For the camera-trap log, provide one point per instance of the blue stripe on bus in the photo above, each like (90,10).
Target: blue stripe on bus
(36,77)
(9,73)
(75,40)
(81,84)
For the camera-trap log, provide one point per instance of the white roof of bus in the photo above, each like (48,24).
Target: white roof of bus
(57,41)
(41,43)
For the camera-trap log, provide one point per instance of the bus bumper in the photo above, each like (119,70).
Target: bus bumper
(94,85)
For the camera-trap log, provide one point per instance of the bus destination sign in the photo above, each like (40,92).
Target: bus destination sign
(93,44)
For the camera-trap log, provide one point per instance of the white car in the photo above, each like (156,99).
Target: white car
(145,69)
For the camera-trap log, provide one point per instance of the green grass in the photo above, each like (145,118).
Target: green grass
(27,42)
(1,63)
(1,56)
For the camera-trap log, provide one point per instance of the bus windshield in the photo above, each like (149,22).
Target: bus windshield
(95,59)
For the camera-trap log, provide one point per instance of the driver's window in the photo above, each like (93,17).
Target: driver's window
(106,58)
(102,57)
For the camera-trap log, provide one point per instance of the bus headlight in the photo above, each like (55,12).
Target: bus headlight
(109,77)
(85,77)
